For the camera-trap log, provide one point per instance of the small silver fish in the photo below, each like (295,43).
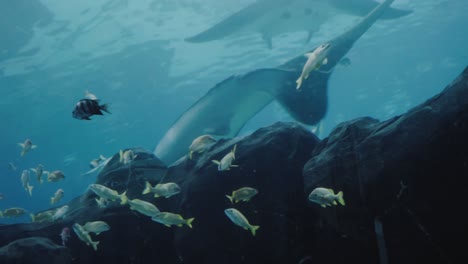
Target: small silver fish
(226,161)
(326,197)
(26,146)
(239,219)
(162,189)
(242,194)
(96,227)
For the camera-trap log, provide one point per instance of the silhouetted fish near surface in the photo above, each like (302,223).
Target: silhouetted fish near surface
(86,108)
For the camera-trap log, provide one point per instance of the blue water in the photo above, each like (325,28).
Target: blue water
(132,55)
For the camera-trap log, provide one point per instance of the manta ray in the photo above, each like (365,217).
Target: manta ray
(225,108)
(274,17)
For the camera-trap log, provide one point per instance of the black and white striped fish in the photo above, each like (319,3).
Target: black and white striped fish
(88,107)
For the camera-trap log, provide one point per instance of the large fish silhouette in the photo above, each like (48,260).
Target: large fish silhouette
(224,109)
(274,17)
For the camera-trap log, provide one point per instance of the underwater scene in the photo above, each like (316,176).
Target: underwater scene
(233,131)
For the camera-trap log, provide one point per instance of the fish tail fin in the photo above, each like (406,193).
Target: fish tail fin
(33,217)
(123,198)
(147,188)
(121,156)
(95,244)
(189,221)
(340,198)
(230,198)
(299,82)
(253,229)
(234,149)
(29,189)
(105,108)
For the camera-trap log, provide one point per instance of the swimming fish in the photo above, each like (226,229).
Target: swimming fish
(46,216)
(242,194)
(315,59)
(326,197)
(55,176)
(143,207)
(239,219)
(25,182)
(84,236)
(169,219)
(26,146)
(226,161)
(13,212)
(57,196)
(99,166)
(108,193)
(11,166)
(60,213)
(39,171)
(90,96)
(96,162)
(96,227)
(162,189)
(87,107)
(126,157)
(65,235)
(200,144)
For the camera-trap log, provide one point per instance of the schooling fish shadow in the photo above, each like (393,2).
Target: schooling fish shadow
(225,109)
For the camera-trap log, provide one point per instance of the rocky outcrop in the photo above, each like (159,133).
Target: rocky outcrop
(403,181)
(34,250)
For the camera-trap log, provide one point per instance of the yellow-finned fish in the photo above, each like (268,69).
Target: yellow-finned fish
(226,161)
(55,176)
(162,189)
(96,227)
(126,157)
(326,197)
(242,194)
(13,212)
(108,193)
(169,219)
(239,219)
(84,236)
(143,207)
(57,196)
(200,144)
(39,171)
(26,146)
(25,182)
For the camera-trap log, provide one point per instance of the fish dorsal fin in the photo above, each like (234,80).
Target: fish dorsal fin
(234,149)
(331,190)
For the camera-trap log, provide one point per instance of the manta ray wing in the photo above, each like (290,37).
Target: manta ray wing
(225,109)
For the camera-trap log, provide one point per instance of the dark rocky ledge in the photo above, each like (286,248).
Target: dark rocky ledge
(403,181)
